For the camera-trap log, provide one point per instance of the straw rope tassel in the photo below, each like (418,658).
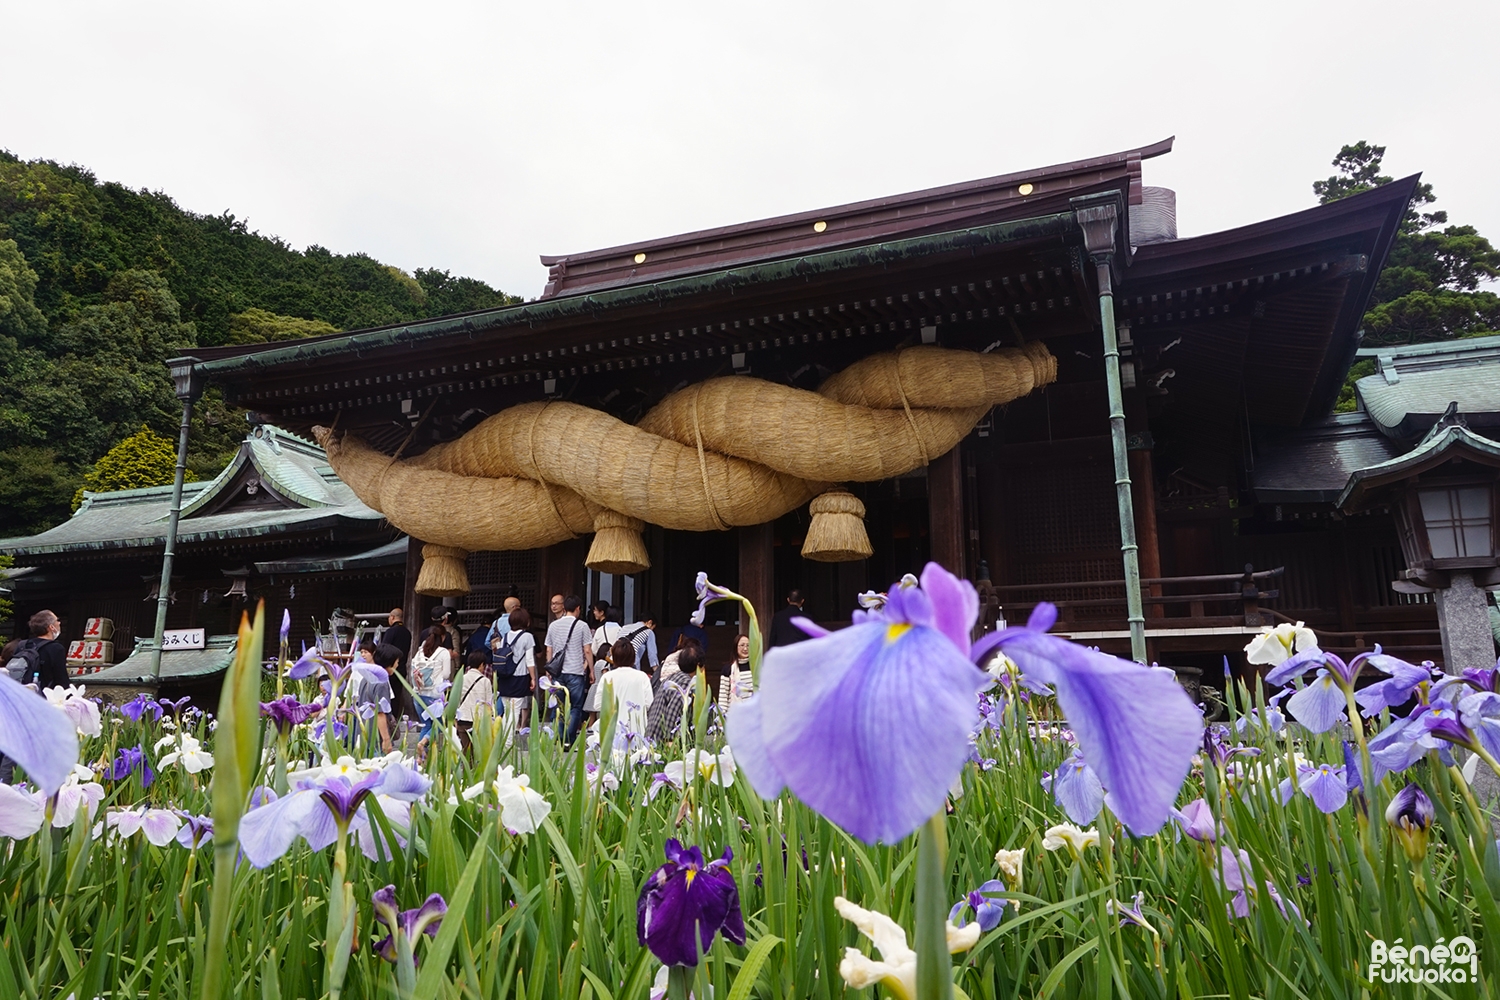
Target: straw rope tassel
(723,453)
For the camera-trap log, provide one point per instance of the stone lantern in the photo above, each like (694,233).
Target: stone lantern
(1443,494)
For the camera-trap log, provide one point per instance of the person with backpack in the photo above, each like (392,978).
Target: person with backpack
(513,656)
(40,661)
(570,661)
(642,636)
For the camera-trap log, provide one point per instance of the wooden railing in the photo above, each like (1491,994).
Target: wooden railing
(1235,597)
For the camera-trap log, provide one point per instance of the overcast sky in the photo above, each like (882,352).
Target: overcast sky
(473,137)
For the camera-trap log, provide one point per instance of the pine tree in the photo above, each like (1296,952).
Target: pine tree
(1430,288)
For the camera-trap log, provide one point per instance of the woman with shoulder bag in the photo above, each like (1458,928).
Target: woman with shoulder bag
(478,694)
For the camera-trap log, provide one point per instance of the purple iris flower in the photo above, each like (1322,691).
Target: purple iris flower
(195,830)
(1136,726)
(869,726)
(1432,726)
(140,706)
(1325,784)
(984,903)
(1134,913)
(1321,704)
(1480,714)
(1274,721)
(308,664)
(286,624)
(37,735)
(340,730)
(991,712)
(1396,690)
(1217,749)
(319,808)
(1483,678)
(287,712)
(175,707)
(1239,880)
(686,902)
(410,924)
(1197,821)
(1076,790)
(129,760)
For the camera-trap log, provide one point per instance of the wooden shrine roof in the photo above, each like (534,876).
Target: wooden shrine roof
(1018,195)
(1263,316)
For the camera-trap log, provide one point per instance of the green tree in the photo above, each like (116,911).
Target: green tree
(141,460)
(7,607)
(99,284)
(34,490)
(260,326)
(20,319)
(1430,289)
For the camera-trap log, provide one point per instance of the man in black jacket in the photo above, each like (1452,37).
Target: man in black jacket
(52,656)
(398,635)
(783,632)
(51,668)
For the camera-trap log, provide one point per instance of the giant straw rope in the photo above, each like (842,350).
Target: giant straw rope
(719,454)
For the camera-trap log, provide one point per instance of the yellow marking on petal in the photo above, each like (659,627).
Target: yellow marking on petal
(896,631)
(691,874)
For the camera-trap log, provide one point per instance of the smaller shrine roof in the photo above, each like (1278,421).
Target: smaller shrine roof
(1415,384)
(1313,464)
(176,664)
(1448,439)
(285,481)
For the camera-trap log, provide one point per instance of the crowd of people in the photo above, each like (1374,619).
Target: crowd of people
(587,654)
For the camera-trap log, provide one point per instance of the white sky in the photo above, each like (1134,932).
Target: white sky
(473,136)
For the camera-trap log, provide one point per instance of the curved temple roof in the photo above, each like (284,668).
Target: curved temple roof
(306,495)
(1415,384)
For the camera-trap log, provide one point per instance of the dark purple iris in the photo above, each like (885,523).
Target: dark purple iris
(287,712)
(1216,746)
(410,924)
(139,706)
(130,760)
(684,894)
(986,904)
(345,797)
(175,707)
(1410,814)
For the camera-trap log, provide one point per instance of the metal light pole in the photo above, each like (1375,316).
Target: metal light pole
(1099,215)
(188,387)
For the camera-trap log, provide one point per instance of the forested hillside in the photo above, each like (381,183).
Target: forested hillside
(100,284)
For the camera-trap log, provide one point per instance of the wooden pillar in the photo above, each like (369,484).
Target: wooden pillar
(758,573)
(945,511)
(413,604)
(562,573)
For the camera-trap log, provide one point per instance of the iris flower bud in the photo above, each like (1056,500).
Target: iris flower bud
(1410,815)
